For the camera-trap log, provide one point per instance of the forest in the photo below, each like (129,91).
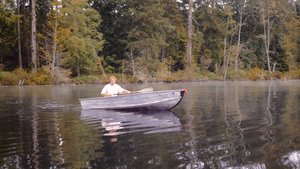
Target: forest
(85,41)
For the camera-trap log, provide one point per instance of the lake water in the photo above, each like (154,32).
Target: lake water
(233,125)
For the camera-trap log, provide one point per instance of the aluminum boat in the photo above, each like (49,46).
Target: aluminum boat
(154,100)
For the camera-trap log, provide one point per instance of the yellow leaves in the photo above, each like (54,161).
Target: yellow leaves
(64,33)
(78,2)
(290,40)
(256,74)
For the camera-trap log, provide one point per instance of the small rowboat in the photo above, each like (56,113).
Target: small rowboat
(155,100)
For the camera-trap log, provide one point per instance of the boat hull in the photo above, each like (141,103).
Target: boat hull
(157,100)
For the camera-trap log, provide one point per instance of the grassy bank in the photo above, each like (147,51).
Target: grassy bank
(44,77)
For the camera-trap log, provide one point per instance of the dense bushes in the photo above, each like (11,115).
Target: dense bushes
(8,78)
(21,77)
(90,79)
(294,74)
(43,77)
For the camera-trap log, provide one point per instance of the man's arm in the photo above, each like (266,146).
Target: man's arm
(106,94)
(123,91)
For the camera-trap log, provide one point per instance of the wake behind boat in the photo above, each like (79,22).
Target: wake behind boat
(155,100)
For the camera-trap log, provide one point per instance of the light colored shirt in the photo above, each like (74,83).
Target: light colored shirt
(112,89)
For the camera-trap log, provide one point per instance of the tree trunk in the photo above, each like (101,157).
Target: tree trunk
(55,41)
(225,50)
(227,57)
(239,38)
(101,67)
(19,36)
(224,58)
(123,67)
(163,54)
(33,37)
(78,70)
(132,63)
(24,43)
(190,33)
(268,40)
(266,25)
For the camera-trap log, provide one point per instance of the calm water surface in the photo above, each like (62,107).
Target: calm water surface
(217,125)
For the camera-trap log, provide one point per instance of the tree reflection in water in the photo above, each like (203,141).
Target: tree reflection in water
(231,125)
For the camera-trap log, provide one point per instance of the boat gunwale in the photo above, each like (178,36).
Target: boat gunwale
(130,94)
(140,105)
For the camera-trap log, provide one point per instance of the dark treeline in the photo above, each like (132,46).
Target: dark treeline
(150,38)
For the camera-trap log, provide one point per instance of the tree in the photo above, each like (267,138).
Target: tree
(8,34)
(176,51)
(148,35)
(53,35)
(116,23)
(190,33)
(19,36)
(240,23)
(228,39)
(33,37)
(291,32)
(84,42)
(213,28)
(268,15)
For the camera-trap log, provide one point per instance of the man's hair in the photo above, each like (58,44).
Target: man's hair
(112,77)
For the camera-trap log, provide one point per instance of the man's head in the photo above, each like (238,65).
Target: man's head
(112,80)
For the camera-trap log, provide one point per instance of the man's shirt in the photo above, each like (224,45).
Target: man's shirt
(112,89)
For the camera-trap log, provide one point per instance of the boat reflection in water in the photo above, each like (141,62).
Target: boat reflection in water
(291,160)
(124,122)
(250,166)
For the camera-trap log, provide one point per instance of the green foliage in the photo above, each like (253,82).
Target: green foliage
(256,74)
(38,79)
(149,38)
(8,34)
(163,72)
(42,77)
(276,75)
(20,77)
(8,78)
(190,74)
(116,22)
(111,64)
(8,20)
(83,42)
(214,26)
(294,74)
(241,74)
(150,27)
(177,38)
(21,74)
(90,79)
(290,40)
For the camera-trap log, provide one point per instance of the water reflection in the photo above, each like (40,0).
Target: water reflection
(253,166)
(233,125)
(124,122)
(291,160)
(229,125)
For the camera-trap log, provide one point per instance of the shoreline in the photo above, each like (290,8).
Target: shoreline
(162,82)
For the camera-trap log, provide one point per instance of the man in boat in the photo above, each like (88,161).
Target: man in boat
(113,89)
